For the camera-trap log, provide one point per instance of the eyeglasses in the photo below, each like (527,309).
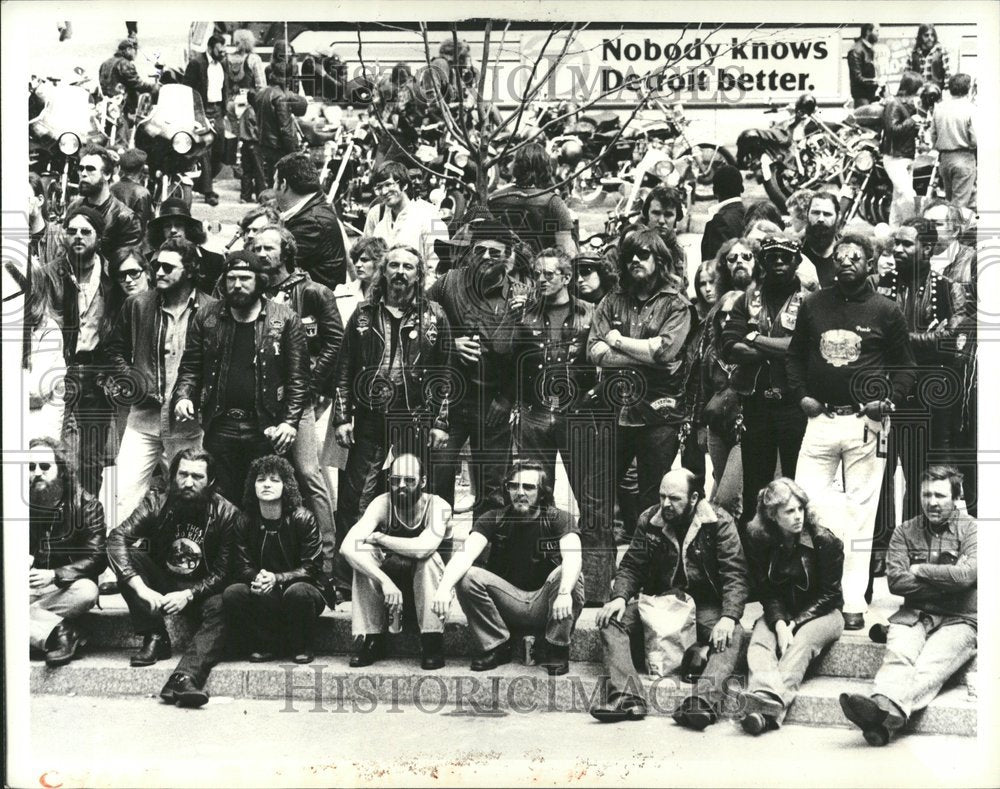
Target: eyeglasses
(642,254)
(733,257)
(166,268)
(86,232)
(129,274)
(89,168)
(548,276)
(850,259)
(386,186)
(527,487)
(39,466)
(489,252)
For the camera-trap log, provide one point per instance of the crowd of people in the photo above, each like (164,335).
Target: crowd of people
(810,363)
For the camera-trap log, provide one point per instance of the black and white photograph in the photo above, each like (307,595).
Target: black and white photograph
(516,394)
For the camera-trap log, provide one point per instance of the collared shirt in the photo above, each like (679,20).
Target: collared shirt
(92,306)
(291,211)
(953,126)
(719,206)
(216,79)
(417,225)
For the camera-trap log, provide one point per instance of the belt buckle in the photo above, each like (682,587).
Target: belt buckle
(772,394)
(238,413)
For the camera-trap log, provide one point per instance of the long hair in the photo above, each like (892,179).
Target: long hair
(379,285)
(774,495)
(37,305)
(647,240)
(193,454)
(65,469)
(924,28)
(909,85)
(532,167)
(546,493)
(291,497)
(707,266)
(723,279)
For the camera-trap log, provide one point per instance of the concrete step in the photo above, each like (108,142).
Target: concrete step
(329,685)
(853,656)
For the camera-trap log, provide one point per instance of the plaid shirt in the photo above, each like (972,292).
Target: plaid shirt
(923,63)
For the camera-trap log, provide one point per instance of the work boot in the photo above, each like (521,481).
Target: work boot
(368,650)
(155,646)
(187,694)
(555,660)
(492,658)
(695,713)
(62,644)
(432,651)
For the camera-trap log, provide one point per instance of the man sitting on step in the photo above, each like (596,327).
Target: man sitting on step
(682,545)
(171,556)
(396,542)
(932,564)
(532,582)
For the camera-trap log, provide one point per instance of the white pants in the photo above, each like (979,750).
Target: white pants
(852,441)
(137,459)
(900,172)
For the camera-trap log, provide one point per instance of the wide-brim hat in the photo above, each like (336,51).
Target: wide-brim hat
(174,208)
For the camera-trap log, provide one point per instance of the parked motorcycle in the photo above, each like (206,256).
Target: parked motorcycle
(346,171)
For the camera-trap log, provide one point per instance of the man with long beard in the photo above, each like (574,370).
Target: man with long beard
(246,369)
(67,552)
(80,293)
(637,336)
(180,566)
(396,543)
(393,382)
(820,236)
(122,229)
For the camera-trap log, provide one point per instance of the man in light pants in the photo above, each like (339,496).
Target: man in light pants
(850,364)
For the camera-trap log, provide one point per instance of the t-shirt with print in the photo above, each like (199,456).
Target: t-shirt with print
(524,551)
(182,543)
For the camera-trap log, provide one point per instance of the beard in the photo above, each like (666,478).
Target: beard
(190,505)
(678,520)
(404,499)
(79,254)
(819,236)
(87,189)
(742,278)
(242,300)
(45,494)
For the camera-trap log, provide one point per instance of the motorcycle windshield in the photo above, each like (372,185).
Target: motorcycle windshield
(178,108)
(67,109)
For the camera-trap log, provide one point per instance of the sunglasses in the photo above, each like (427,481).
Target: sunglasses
(736,256)
(642,254)
(39,466)
(166,268)
(850,259)
(587,270)
(129,274)
(527,487)
(89,168)
(489,252)
(548,276)
(86,232)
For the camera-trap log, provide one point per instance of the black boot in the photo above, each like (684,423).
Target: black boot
(432,651)
(155,646)
(169,692)
(556,659)
(187,694)
(492,658)
(368,650)
(62,644)
(695,713)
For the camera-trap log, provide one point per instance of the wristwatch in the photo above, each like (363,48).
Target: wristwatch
(751,338)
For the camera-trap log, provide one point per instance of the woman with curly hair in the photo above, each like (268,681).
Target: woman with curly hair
(272,609)
(796,565)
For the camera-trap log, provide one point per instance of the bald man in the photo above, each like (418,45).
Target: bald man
(713,573)
(394,544)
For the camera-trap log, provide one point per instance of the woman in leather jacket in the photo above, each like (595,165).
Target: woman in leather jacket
(273,607)
(796,565)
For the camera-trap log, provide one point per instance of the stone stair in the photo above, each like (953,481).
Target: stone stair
(329,683)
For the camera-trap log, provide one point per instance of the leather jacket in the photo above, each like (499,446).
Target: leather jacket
(899,128)
(298,541)
(122,229)
(861,70)
(936,314)
(320,241)
(788,597)
(714,564)
(153,521)
(62,291)
(69,539)
(282,364)
(275,126)
(118,70)
(316,306)
(427,374)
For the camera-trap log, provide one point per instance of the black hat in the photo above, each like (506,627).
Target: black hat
(779,241)
(727,182)
(172,208)
(244,259)
(92,216)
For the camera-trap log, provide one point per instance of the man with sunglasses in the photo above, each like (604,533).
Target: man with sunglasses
(122,229)
(531,583)
(82,298)
(850,365)
(548,344)
(755,339)
(477,297)
(145,351)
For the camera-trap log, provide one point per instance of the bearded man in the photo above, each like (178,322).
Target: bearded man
(821,235)
(180,567)
(122,229)
(246,369)
(67,552)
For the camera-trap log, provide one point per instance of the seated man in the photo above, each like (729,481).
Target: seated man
(932,564)
(274,605)
(397,538)
(180,565)
(66,540)
(713,571)
(532,582)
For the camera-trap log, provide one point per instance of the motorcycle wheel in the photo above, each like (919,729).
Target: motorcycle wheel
(453,210)
(708,158)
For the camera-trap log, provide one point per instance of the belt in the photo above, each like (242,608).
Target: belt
(240,415)
(773,394)
(841,410)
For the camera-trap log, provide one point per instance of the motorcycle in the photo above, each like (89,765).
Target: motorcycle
(174,134)
(345,175)
(588,140)
(61,120)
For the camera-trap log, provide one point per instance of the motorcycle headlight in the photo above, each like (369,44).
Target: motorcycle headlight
(69,143)
(426,153)
(461,159)
(182,142)
(864,161)
(663,169)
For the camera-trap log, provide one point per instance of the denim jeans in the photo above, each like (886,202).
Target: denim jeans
(958,173)
(654,448)
(312,482)
(87,423)
(50,605)
(783,676)
(283,621)
(920,658)
(422,576)
(496,608)
(727,473)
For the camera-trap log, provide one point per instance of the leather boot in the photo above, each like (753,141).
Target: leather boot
(155,646)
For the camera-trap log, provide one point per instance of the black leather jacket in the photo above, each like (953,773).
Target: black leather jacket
(122,228)
(899,128)
(275,126)
(316,305)
(427,373)
(298,540)
(787,596)
(62,290)
(320,241)
(861,70)
(714,564)
(282,364)
(153,520)
(69,539)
